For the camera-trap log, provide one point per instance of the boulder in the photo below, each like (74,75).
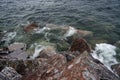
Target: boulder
(80,45)
(9,73)
(30,27)
(116,69)
(81,67)
(84,67)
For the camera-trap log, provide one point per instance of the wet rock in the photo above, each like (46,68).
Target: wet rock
(22,66)
(116,69)
(9,73)
(18,54)
(84,67)
(70,55)
(47,52)
(83,33)
(80,45)
(81,67)
(4,51)
(117,44)
(30,27)
(49,69)
(17,46)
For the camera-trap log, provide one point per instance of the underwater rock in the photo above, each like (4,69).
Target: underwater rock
(30,27)
(17,46)
(9,73)
(116,69)
(83,33)
(47,52)
(80,45)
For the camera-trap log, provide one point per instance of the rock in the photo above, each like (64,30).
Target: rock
(30,27)
(117,44)
(84,67)
(47,52)
(9,73)
(81,67)
(4,51)
(80,45)
(18,54)
(70,55)
(83,33)
(49,69)
(22,66)
(17,46)
(116,69)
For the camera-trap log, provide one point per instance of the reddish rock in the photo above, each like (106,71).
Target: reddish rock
(80,45)
(30,27)
(48,70)
(83,67)
(116,69)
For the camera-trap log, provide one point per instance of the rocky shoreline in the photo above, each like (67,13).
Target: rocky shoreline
(75,63)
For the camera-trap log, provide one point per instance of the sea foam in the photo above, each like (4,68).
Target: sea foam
(105,53)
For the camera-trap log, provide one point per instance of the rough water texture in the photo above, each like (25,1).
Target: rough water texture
(14,12)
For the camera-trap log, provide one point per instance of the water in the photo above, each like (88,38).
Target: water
(102,17)
(106,54)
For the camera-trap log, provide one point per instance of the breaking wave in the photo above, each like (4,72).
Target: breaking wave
(105,53)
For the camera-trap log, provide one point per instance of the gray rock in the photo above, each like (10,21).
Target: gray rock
(9,73)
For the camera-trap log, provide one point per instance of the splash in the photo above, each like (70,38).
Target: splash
(9,36)
(42,30)
(38,49)
(105,53)
(70,32)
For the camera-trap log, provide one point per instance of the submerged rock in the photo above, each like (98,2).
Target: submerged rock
(9,73)
(17,46)
(30,27)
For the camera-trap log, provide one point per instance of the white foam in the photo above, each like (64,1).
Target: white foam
(9,36)
(105,53)
(41,30)
(38,49)
(71,31)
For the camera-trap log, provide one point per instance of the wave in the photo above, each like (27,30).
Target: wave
(105,53)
